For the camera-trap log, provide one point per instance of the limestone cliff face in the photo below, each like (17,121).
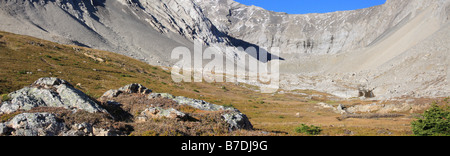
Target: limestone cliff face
(316,33)
(179,16)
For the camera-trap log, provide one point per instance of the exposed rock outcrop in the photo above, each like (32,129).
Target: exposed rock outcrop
(232,116)
(131,88)
(58,101)
(49,92)
(49,124)
(35,124)
(53,107)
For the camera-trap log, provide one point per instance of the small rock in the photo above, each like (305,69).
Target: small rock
(341,109)
(157,112)
(111,93)
(135,88)
(104,132)
(3,129)
(161,95)
(324,105)
(131,88)
(348,132)
(384,131)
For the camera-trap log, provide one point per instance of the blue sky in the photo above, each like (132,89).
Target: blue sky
(311,6)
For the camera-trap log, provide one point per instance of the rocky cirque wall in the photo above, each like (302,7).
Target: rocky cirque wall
(316,33)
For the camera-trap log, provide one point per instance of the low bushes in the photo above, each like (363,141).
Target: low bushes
(310,130)
(433,122)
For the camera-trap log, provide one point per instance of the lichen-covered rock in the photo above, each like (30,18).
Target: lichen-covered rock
(130,89)
(49,92)
(36,124)
(237,120)
(135,88)
(158,112)
(82,129)
(111,93)
(49,82)
(49,124)
(199,104)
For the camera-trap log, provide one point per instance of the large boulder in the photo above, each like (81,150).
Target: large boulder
(35,124)
(237,120)
(49,124)
(49,92)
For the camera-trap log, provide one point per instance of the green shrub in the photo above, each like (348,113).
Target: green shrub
(7,117)
(224,88)
(56,59)
(433,122)
(5,97)
(125,75)
(228,105)
(22,72)
(310,130)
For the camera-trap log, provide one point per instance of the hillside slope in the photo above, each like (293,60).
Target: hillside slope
(26,59)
